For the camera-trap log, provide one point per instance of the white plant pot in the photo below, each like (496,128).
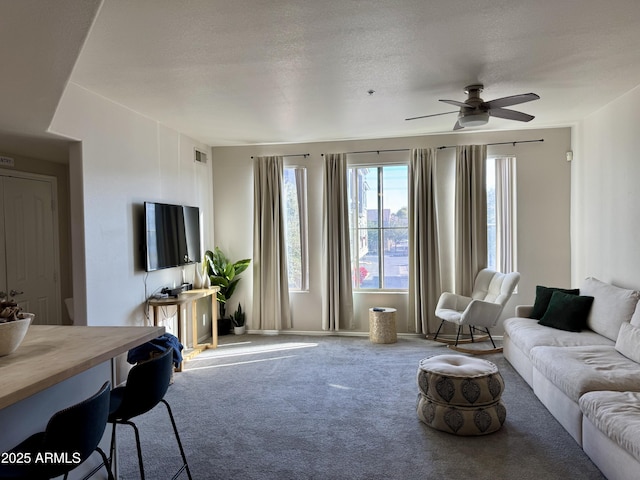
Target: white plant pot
(239,330)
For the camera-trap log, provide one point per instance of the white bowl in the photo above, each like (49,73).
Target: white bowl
(12,333)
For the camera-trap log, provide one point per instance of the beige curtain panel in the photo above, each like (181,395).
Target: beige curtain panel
(424,249)
(337,299)
(470,216)
(271,310)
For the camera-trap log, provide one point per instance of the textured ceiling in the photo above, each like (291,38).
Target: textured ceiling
(271,71)
(245,72)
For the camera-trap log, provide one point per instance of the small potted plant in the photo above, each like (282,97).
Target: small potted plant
(238,321)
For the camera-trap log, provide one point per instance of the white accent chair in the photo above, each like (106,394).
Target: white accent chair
(480,311)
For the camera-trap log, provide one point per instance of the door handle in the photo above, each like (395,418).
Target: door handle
(13,293)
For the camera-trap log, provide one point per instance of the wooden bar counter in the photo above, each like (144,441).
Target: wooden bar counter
(51,354)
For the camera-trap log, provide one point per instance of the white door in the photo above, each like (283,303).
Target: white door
(30,247)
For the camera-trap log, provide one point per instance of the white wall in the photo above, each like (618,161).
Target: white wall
(544,180)
(122,160)
(605,198)
(125,158)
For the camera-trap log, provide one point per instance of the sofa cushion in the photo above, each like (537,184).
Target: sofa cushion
(526,334)
(635,318)
(611,307)
(617,415)
(543,296)
(628,342)
(567,312)
(578,370)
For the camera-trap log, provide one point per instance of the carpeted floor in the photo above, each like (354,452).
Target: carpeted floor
(332,408)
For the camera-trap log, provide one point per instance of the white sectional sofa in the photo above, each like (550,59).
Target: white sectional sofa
(581,357)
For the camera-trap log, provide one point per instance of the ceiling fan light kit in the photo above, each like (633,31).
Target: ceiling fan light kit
(473,119)
(475,112)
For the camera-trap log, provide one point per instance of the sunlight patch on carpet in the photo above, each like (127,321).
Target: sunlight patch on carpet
(340,387)
(247,348)
(246,362)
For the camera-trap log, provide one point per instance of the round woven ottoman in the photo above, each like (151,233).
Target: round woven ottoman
(460,395)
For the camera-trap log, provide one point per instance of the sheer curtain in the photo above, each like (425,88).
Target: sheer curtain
(470,216)
(424,261)
(271,309)
(301,198)
(506,258)
(337,300)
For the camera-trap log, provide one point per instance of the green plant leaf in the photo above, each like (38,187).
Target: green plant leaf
(230,271)
(241,265)
(223,273)
(232,287)
(219,281)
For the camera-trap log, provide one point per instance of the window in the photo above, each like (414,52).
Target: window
(501,214)
(295,205)
(378,221)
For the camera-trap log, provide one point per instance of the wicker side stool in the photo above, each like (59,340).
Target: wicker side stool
(382,325)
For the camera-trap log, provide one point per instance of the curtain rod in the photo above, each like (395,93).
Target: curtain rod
(499,143)
(378,151)
(305,155)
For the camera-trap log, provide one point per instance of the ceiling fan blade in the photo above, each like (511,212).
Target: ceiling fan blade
(457,126)
(512,100)
(456,103)
(510,114)
(433,115)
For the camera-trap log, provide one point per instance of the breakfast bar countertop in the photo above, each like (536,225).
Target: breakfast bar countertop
(50,354)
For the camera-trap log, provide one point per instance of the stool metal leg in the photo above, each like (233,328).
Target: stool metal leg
(137,435)
(185,465)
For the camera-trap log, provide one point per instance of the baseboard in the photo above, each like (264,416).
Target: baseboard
(325,333)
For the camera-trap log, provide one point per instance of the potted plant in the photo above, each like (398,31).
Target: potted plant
(224,274)
(238,321)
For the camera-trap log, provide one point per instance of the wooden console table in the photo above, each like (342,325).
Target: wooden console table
(190,297)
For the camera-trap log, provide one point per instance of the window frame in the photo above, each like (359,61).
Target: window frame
(381,228)
(505,232)
(301,195)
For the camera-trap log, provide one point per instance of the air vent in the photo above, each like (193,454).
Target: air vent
(199,156)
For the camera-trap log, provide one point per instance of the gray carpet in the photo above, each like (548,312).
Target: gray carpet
(329,408)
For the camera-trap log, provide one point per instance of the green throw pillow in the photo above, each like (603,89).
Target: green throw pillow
(543,296)
(567,312)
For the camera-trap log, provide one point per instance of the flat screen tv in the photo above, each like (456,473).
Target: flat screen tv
(172,235)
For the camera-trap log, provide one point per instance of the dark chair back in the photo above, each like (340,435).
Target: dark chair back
(147,383)
(77,430)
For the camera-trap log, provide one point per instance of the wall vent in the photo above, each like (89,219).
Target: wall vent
(199,156)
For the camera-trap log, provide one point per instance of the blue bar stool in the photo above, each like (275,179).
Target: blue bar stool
(147,383)
(71,435)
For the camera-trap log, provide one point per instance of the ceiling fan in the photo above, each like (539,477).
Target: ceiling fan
(475,112)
